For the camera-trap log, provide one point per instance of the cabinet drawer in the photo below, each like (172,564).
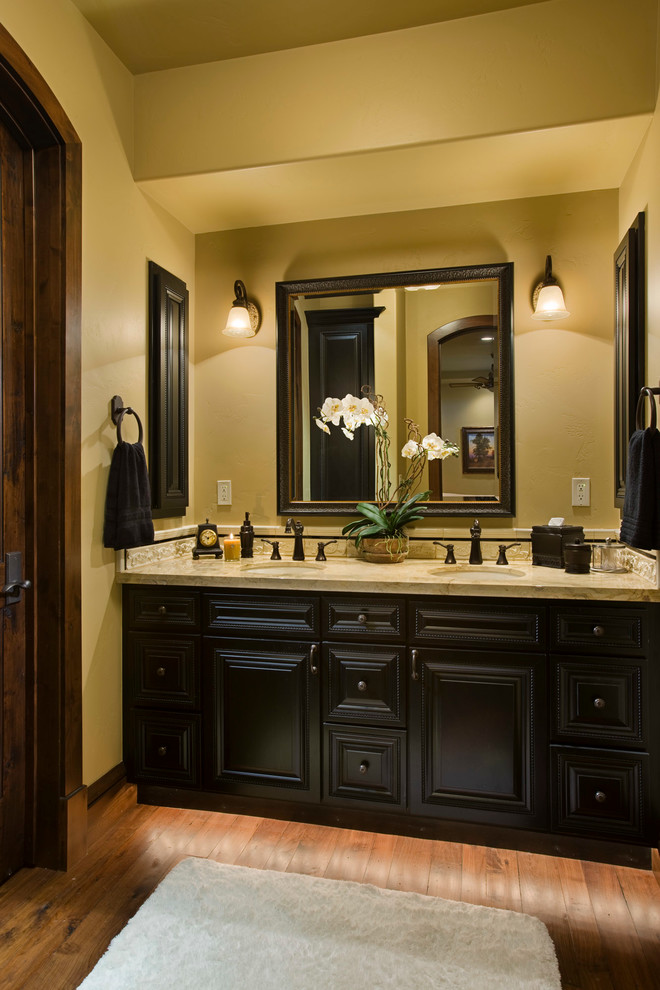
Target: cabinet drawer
(166,748)
(597,701)
(365,765)
(277,615)
(374,617)
(509,624)
(162,671)
(363,684)
(600,793)
(599,630)
(162,608)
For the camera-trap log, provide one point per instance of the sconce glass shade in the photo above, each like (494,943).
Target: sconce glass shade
(548,299)
(550,304)
(243,319)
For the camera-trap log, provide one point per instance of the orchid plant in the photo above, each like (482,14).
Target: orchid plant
(392,510)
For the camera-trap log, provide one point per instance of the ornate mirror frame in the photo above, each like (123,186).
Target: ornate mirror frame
(289,398)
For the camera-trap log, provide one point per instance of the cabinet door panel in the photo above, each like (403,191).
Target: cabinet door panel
(476,732)
(265,717)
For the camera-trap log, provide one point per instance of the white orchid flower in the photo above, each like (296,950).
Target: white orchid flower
(434,446)
(347,433)
(350,406)
(351,422)
(411,449)
(331,411)
(321,425)
(365,410)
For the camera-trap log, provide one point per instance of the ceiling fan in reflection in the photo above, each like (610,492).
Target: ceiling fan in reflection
(481,381)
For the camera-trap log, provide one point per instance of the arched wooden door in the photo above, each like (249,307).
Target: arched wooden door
(42,799)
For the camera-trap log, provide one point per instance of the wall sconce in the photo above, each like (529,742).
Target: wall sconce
(244,319)
(548,299)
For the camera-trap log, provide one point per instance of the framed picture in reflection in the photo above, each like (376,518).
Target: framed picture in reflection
(478,449)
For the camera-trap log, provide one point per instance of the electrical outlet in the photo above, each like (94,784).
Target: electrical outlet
(581,490)
(224,493)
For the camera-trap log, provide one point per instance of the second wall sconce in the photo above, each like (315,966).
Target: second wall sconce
(244,319)
(548,299)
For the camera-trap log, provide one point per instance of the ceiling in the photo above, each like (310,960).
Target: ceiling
(156,35)
(148,35)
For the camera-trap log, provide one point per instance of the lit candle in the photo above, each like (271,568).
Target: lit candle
(232,547)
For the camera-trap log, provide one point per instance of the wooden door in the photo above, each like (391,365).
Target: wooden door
(341,360)
(13,460)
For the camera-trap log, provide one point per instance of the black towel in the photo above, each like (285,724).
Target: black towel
(640,522)
(128,521)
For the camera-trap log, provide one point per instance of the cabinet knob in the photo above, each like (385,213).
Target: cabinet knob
(599,702)
(162,610)
(364,766)
(600,796)
(599,631)
(162,750)
(362,618)
(362,685)
(160,672)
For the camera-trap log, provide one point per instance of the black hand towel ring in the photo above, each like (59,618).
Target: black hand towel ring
(118,411)
(639,418)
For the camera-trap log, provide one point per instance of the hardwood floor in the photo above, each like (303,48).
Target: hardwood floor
(604,920)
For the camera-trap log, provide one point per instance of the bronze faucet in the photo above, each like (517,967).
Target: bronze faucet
(298,545)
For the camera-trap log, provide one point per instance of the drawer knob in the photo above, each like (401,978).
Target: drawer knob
(600,796)
(162,750)
(362,685)
(160,672)
(162,610)
(599,702)
(362,618)
(364,766)
(599,631)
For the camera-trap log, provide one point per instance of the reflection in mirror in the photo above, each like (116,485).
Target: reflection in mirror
(437,345)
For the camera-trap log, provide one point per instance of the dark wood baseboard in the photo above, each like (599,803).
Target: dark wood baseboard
(112,778)
(525,840)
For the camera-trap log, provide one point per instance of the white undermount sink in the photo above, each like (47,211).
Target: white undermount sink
(473,572)
(282,567)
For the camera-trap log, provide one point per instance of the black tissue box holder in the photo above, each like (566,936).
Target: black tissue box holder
(548,543)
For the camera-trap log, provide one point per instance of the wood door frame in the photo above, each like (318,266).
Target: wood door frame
(56,826)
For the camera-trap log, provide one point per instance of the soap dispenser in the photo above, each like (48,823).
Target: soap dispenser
(247,537)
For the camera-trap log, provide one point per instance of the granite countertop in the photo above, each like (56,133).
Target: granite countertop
(425,577)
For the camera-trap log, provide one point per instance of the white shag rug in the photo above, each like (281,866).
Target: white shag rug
(210,926)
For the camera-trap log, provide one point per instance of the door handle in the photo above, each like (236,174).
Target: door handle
(15,582)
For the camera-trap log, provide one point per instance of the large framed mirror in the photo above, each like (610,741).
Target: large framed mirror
(437,344)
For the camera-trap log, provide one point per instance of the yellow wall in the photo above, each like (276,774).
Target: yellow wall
(563,371)
(121,231)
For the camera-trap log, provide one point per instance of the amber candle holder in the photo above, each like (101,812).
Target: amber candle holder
(232,546)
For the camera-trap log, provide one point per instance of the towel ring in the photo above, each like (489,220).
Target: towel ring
(117,413)
(650,392)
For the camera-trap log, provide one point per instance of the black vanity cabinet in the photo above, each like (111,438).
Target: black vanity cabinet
(262,694)
(364,702)
(478,732)
(516,722)
(603,673)
(162,686)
